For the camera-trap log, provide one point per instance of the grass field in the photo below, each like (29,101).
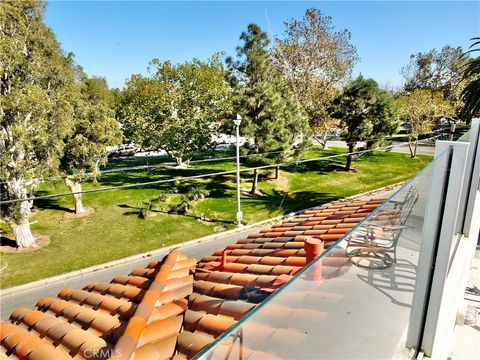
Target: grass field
(115,229)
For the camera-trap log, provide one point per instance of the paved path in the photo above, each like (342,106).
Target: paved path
(467,338)
(30,297)
(422,148)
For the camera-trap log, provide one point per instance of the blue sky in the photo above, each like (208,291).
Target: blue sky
(116,39)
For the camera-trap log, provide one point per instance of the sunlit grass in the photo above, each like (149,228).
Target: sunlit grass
(115,229)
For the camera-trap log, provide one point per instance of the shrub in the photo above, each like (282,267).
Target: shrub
(181,208)
(197,193)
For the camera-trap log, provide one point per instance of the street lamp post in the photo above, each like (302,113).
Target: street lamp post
(237,121)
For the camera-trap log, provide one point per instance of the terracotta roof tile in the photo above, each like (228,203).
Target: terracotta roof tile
(164,312)
(190,343)
(104,316)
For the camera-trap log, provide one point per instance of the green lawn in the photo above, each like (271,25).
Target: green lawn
(115,229)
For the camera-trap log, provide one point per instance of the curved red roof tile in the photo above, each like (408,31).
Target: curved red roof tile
(164,312)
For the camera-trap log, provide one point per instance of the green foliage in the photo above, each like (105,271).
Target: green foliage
(196,193)
(438,71)
(108,234)
(420,110)
(315,59)
(37,84)
(170,202)
(272,116)
(193,192)
(147,209)
(177,108)
(367,113)
(182,207)
(94,129)
(383,116)
(471,76)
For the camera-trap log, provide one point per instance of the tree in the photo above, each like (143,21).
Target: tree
(315,59)
(367,114)
(437,71)
(471,77)
(383,115)
(95,128)
(420,110)
(177,109)
(273,118)
(35,109)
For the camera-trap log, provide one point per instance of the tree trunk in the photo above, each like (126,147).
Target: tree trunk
(277,172)
(23,234)
(325,142)
(410,148)
(349,158)
(33,185)
(453,126)
(415,148)
(322,141)
(17,214)
(76,187)
(255,181)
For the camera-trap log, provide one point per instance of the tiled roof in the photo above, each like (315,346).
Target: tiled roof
(138,316)
(164,312)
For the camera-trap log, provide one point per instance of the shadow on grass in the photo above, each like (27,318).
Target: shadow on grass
(50,204)
(290,202)
(138,211)
(5,241)
(320,167)
(141,176)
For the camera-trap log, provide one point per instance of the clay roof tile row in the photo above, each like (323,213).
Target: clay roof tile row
(164,312)
(140,312)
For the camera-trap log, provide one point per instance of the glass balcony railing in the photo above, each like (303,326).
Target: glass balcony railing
(353,301)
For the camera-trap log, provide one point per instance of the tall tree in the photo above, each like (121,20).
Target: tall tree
(315,60)
(383,115)
(437,71)
(420,110)
(273,117)
(471,77)
(35,109)
(177,109)
(367,114)
(95,128)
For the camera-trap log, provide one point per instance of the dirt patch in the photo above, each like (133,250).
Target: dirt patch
(72,215)
(34,212)
(248,194)
(8,245)
(177,166)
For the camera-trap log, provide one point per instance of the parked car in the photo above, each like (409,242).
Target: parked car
(124,150)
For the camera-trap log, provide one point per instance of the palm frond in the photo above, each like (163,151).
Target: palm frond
(471,75)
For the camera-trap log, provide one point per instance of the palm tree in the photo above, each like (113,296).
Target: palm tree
(471,74)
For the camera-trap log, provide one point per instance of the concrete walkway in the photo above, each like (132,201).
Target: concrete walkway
(466,345)
(423,149)
(29,297)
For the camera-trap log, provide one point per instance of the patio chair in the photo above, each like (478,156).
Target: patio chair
(381,234)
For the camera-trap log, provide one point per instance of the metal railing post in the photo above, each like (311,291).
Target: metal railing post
(472,178)
(439,313)
(431,230)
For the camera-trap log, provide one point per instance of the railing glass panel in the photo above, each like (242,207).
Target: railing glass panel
(353,301)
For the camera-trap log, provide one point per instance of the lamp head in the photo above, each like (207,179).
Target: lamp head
(237,120)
